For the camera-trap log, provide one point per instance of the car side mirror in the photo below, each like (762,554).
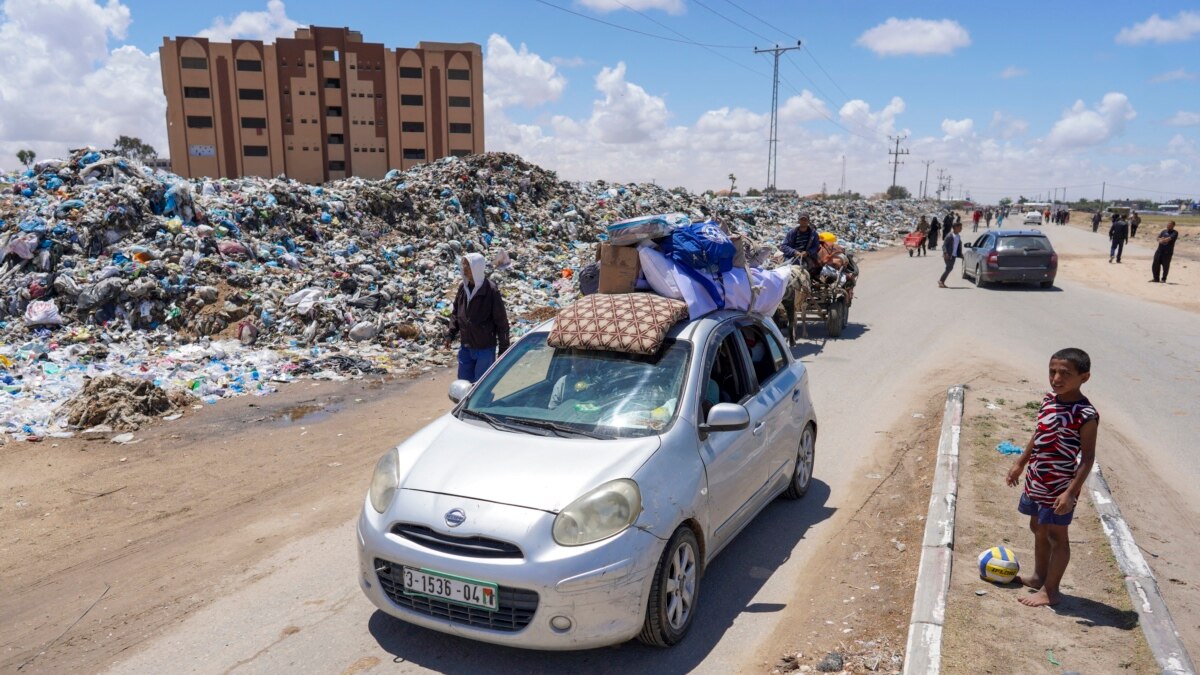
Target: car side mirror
(459,390)
(726,417)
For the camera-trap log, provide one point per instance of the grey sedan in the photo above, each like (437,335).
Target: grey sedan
(574,498)
(1011,256)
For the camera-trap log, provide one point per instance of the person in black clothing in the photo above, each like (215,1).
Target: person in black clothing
(1134,221)
(951,251)
(1164,252)
(801,244)
(1096,221)
(1118,234)
(479,318)
(934,228)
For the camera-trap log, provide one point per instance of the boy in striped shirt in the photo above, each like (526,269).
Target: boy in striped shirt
(1056,462)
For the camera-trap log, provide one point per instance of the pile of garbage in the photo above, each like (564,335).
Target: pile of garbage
(120,403)
(223,287)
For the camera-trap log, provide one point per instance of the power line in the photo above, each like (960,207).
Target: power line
(634,30)
(756,34)
(768,25)
(896,154)
(814,60)
(1157,192)
(773,143)
(715,53)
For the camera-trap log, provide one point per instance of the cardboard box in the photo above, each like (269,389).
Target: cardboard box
(619,268)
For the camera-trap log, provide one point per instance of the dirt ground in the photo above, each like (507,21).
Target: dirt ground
(103,544)
(859,596)
(1132,274)
(1094,630)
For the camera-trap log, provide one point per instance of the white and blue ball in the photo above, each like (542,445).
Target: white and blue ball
(998,564)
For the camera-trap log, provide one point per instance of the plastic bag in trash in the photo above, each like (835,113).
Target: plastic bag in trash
(42,313)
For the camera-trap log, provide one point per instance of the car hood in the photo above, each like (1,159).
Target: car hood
(451,456)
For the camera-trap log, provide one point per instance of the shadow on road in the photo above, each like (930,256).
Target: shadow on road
(817,337)
(1092,613)
(1021,288)
(727,590)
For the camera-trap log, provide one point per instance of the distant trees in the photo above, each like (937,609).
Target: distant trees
(26,157)
(732,183)
(753,192)
(1006,201)
(898,192)
(134,148)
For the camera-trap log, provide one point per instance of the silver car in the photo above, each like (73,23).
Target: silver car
(573,498)
(1010,256)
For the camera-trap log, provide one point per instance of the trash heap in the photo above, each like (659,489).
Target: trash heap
(224,287)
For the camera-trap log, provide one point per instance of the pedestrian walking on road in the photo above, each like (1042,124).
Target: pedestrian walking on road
(1096,221)
(987,217)
(1046,215)
(951,251)
(934,229)
(1056,462)
(1000,219)
(1134,221)
(479,317)
(1164,253)
(923,228)
(975,218)
(1118,234)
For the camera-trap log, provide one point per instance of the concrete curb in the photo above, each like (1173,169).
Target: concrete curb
(1156,622)
(923,654)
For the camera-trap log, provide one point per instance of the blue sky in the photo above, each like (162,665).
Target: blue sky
(1009,99)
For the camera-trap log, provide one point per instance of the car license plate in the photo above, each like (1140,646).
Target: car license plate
(451,588)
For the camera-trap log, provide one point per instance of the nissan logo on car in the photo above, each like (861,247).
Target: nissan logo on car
(456,517)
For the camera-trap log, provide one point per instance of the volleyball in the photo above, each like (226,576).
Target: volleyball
(998,564)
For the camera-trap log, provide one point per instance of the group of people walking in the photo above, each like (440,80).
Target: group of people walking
(1122,230)
(950,227)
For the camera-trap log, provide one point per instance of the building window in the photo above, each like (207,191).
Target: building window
(301,92)
(333,82)
(305,148)
(337,165)
(195,92)
(254,123)
(352,67)
(199,122)
(250,66)
(412,73)
(415,127)
(378,95)
(414,153)
(371,122)
(194,63)
(460,101)
(458,74)
(254,150)
(460,128)
(336,139)
(330,55)
(334,111)
(412,99)
(459,153)
(250,94)
(354,122)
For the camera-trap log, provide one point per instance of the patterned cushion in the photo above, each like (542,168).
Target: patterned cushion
(634,323)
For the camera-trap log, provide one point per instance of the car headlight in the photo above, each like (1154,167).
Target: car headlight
(384,481)
(599,514)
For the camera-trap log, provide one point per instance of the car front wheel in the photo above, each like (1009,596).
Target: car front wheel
(805,458)
(676,589)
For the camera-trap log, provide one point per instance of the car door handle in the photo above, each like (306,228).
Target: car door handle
(795,394)
(758,427)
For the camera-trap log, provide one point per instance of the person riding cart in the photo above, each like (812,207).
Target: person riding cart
(801,246)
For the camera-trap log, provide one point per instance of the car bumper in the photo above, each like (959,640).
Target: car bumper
(1002,275)
(600,588)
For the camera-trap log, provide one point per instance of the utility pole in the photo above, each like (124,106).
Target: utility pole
(1103,184)
(896,154)
(924,189)
(941,183)
(842,187)
(773,142)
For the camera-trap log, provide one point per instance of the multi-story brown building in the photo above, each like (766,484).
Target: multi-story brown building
(320,106)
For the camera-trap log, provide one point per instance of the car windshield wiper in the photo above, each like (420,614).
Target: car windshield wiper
(496,422)
(560,429)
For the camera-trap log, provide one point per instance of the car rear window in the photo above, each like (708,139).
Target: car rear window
(1022,243)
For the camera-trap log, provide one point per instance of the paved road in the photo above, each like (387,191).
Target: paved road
(302,609)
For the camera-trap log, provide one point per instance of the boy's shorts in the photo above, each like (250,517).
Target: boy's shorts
(1045,514)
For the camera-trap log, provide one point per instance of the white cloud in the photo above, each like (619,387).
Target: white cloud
(627,114)
(519,77)
(668,6)
(1184,26)
(1184,118)
(896,37)
(265,26)
(1081,126)
(1182,145)
(62,87)
(803,108)
(1013,71)
(958,128)
(858,112)
(1007,126)
(1173,75)
(568,62)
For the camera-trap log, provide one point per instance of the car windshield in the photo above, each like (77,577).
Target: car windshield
(1023,243)
(577,392)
